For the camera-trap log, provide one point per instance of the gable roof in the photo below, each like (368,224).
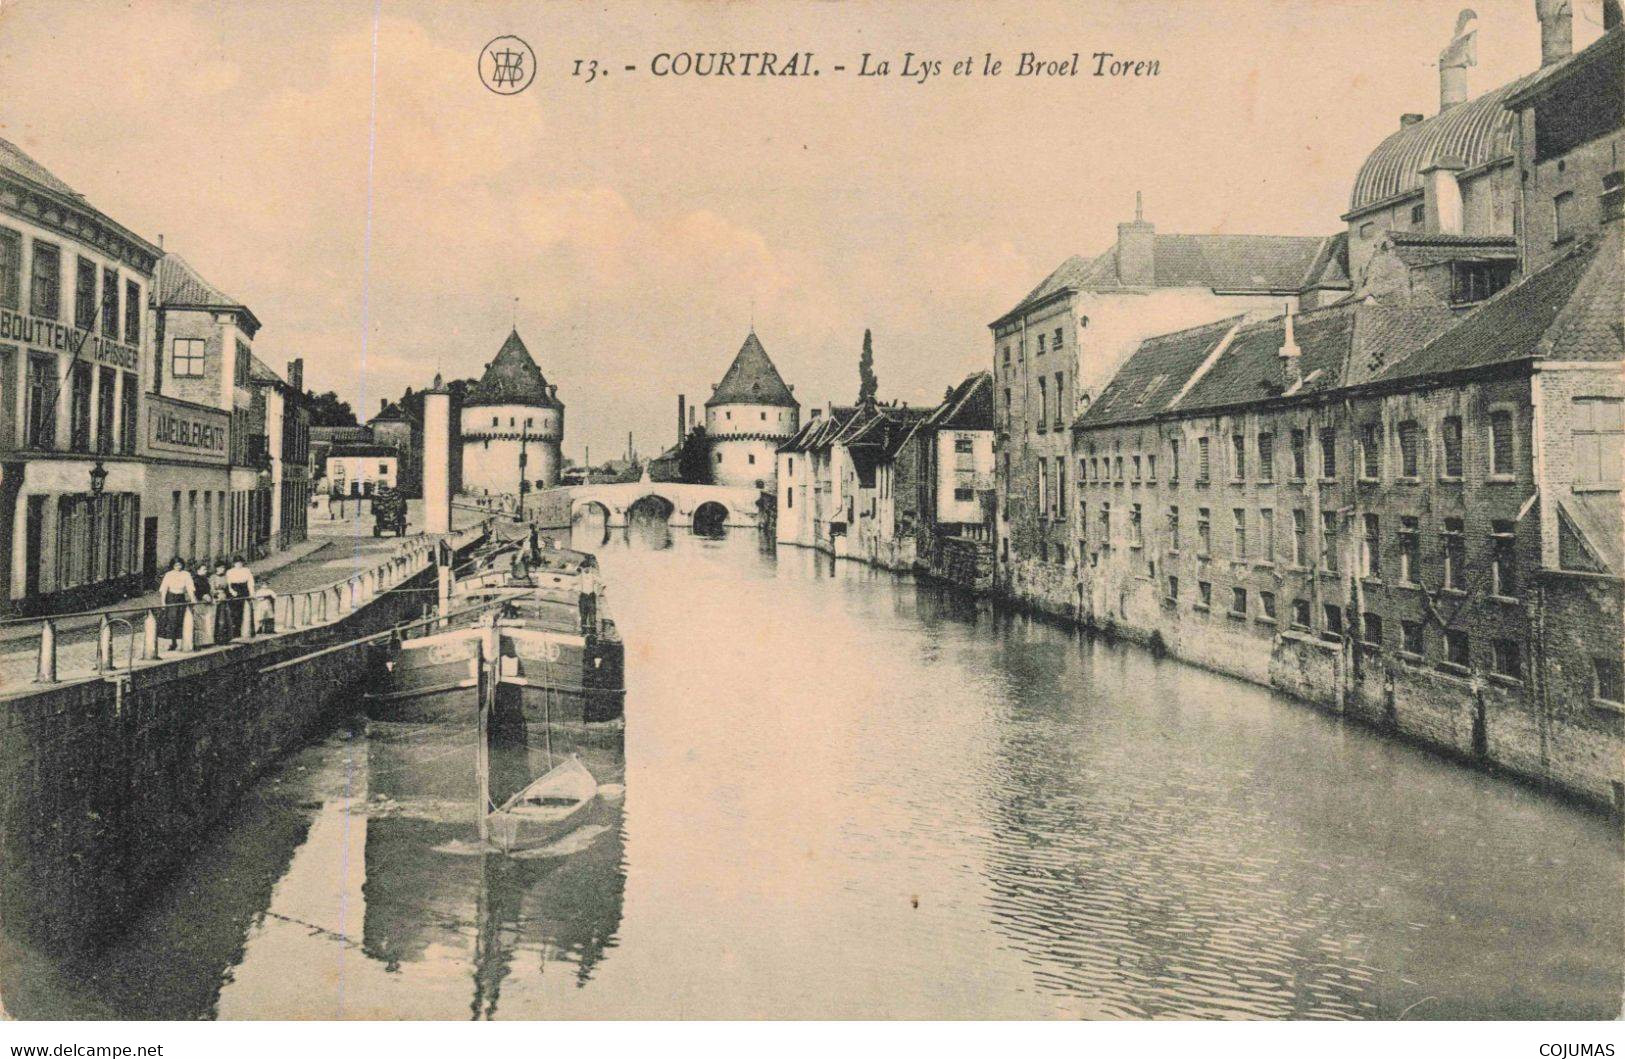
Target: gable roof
(392,413)
(820,431)
(968,406)
(178,285)
(1155,373)
(1568,310)
(512,377)
(752,379)
(1251,263)
(1434,248)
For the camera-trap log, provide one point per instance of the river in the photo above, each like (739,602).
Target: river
(851,794)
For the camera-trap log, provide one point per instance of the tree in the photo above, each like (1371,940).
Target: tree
(326,410)
(693,460)
(868,385)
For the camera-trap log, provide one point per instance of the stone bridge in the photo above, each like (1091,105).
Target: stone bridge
(676,503)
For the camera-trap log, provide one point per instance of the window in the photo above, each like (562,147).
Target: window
(962,444)
(1408,455)
(1300,537)
(1173,459)
(1300,614)
(1608,679)
(1043,401)
(1173,588)
(130,415)
(1119,468)
(1371,548)
(1503,559)
(1328,452)
(1599,441)
(1328,541)
(1083,524)
(1136,530)
(1056,340)
(132,313)
(1238,602)
(1266,534)
(1410,549)
(1371,628)
(1266,457)
(1043,487)
(1040,343)
(1334,621)
(1151,468)
(719,457)
(11,268)
(1371,451)
(1238,457)
(962,494)
(1240,518)
(1202,466)
(1204,532)
(1060,487)
(1451,437)
(1173,528)
(1105,526)
(1060,392)
(1563,217)
(1501,443)
(41,426)
(1007,407)
(45,281)
(1204,594)
(84,294)
(106,393)
(1299,455)
(1473,281)
(1418,213)
(1455,553)
(1266,602)
(750,457)
(186,361)
(383,468)
(1410,632)
(1508,658)
(1456,649)
(79,406)
(1136,470)
(1004,353)
(1094,468)
(110,302)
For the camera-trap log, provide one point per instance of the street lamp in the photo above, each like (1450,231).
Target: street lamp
(98,479)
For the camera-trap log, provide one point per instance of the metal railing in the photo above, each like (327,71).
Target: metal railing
(261,616)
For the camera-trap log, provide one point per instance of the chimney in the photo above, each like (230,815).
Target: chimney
(160,240)
(1441,194)
(682,417)
(1407,120)
(1136,259)
(1291,356)
(1458,55)
(383,405)
(1556,30)
(296,374)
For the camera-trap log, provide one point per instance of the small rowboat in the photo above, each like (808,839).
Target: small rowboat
(545,811)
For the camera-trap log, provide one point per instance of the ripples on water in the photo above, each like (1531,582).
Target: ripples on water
(851,795)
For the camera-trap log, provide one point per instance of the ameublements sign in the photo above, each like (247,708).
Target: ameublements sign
(49,334)
(177,428)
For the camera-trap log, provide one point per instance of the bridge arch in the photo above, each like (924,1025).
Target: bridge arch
(711,518)
(652,506)
(583,511)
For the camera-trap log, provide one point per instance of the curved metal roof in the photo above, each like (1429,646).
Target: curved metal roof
(1472,134)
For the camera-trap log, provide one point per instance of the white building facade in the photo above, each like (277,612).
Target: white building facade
(750,413)
(511,427)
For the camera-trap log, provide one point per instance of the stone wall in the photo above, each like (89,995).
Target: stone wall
(105,788)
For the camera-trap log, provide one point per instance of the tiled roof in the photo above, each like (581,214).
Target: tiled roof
(1155,373)
(819,431)
(1569,310)
(1467,135)
(1217,262)
(13,160)
(260,371)
(1609,45)
(752,379)
(968,406)
(179,285)
(512,378)
(1420,248)
(1330,268)
(391,413)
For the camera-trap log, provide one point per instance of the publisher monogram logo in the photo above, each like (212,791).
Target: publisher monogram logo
(507,65)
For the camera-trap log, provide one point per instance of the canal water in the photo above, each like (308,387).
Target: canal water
(853,794)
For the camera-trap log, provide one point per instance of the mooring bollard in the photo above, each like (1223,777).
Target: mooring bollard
(47,652)
(104,645)
(248,630)
(189,627)
(149,635)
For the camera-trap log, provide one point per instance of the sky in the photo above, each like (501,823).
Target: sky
(341,169)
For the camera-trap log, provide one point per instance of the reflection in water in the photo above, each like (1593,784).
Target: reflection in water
(851,795)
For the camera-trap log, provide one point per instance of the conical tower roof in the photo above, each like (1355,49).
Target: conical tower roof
(752,379)
(513,378)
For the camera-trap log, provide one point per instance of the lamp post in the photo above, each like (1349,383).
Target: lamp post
(98,479)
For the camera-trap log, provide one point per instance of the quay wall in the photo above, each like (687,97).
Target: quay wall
(106,785)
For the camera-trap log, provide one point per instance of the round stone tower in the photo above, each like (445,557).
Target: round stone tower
(511,426)
(750,413)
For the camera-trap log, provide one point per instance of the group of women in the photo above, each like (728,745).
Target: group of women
(230,588)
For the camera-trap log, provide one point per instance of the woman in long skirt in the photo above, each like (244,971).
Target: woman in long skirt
(174,591)
(225,630)
(239,588)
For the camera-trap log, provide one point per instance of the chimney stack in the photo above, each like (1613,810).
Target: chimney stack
(1291,355)
(1556,30)
(1136,253)
(682,417)
(383,405)
(296,374)
(1458,55)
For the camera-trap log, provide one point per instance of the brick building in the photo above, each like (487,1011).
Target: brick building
(954,481)
(1064,340)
